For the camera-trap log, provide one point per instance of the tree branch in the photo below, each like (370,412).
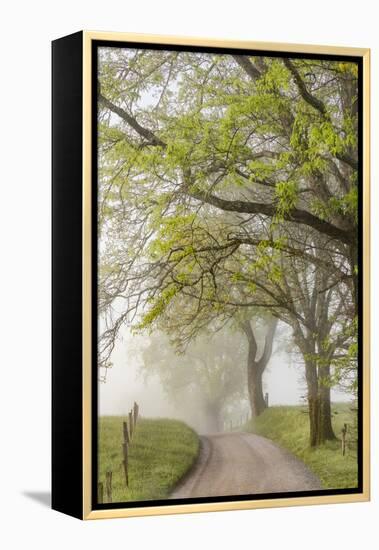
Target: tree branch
(316,104)
(245,63)
(308,97)
(247,329)
(295,215)
(143,132)
(269,341)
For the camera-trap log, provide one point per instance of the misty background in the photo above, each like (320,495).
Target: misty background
(126,382)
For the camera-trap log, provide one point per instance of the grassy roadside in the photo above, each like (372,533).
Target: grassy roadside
(288,426)
(161,453)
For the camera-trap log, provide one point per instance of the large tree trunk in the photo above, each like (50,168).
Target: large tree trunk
(326,432)
(313,401)
(256,367)
(255,388)
(319,407)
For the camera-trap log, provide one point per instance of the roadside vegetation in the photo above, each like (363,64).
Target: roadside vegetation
(289,427)
(162,451)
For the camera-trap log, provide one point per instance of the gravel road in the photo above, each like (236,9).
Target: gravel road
(244,464)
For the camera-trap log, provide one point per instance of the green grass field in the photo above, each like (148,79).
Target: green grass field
(289,427)
(160,454)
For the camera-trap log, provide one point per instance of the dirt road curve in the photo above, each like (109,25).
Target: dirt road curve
(244,464)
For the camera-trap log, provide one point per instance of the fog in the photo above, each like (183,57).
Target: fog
(125,383)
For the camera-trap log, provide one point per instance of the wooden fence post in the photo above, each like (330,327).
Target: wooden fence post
(135,411)
(108,479)
(126,432)
(100,493)
(125,462)
(343,432)
(131,424)
(266,399)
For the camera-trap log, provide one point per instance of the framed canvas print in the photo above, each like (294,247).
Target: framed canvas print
(210,275)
